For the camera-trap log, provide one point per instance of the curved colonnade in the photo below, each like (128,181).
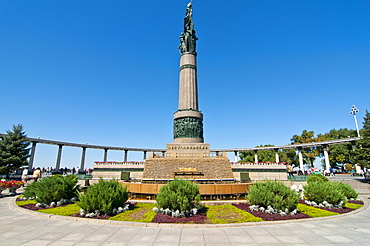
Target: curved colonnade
(125,150)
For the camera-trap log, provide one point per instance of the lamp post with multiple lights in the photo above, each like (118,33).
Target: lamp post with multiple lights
(354,111)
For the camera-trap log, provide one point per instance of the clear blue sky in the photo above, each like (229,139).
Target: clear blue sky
(106,72)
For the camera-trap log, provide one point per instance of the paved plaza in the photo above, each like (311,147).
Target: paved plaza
(20,228)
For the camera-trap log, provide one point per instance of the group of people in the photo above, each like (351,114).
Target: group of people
(35,176)
(310,171)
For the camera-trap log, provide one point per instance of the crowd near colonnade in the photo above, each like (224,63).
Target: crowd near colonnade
(298,147)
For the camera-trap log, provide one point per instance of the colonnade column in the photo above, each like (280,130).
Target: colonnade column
(236,156)
(326,156)
(277,159)
(300,157)
(57,166)
(125,156)
(255,157)
(82,167)
(105,155)
(32,157)
(144,154)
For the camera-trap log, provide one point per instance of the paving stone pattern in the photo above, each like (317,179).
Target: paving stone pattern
(19,228)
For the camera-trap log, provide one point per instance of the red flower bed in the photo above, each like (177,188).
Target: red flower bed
(267,216)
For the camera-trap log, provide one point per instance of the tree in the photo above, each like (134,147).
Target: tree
(362,151)
(13,150)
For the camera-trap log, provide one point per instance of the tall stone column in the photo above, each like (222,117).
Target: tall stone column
(277,159)
(326,156)
(188,120)
(82,166)
(32,157)
(300,158)
(255,157)
(59,157)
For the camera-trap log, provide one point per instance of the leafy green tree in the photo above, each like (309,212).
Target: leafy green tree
(362,151)
(13,150)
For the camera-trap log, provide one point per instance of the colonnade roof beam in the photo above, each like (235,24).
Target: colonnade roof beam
(294,146)
(90,146)
(290,146)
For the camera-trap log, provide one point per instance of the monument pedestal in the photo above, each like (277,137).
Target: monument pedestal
(190,161)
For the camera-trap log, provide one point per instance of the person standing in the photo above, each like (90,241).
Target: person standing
(36,174)
(25,175)
(331,172)
(290,170)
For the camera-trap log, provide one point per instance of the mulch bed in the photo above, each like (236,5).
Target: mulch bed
(356,202)
(200,218)
(33,206)
(338,210)
(270,217)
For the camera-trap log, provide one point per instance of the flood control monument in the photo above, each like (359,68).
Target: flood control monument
(188,157)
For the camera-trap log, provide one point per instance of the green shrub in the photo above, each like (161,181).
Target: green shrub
(273,193)
(348,191)
(324,191)
(103,196)
(224,214)
(314,212)
(53,189)
(179,195)
(317,178)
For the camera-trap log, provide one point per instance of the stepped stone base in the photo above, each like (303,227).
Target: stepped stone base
(217,168)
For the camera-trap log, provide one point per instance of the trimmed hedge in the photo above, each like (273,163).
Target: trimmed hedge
(317,178)
(103,196)
(324,191)
(53,189)
(273,193)
(179,195)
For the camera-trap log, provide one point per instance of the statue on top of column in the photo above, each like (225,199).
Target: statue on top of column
(188,38)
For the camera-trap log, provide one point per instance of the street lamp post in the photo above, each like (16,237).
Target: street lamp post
(354,111)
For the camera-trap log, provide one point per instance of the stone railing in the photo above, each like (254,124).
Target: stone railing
(259,163)
(119,163)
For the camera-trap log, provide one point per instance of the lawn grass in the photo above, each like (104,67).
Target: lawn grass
(314,212)
(64,211)
(141,212)
(225,214)
(353,205)
(21,203)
